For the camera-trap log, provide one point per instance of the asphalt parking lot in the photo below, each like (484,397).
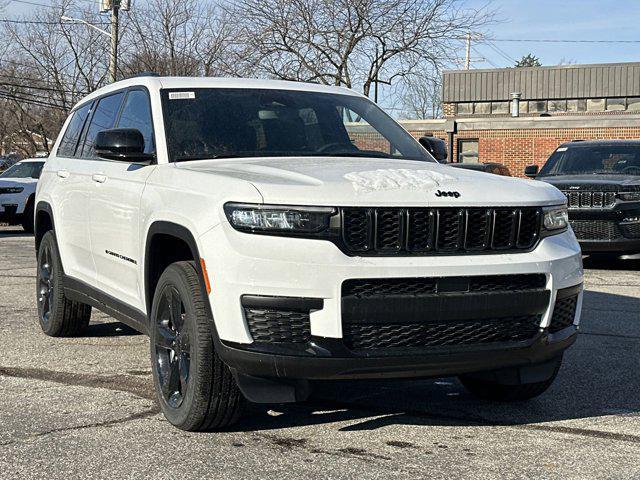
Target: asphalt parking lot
(84,407)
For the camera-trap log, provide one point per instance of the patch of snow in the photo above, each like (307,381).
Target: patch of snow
(396,179)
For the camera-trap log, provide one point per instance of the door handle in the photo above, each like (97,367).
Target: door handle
(63,173)
(99,177)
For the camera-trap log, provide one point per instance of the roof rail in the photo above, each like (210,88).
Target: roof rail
(144,74)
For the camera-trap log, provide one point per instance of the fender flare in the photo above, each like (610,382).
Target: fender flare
(184,234)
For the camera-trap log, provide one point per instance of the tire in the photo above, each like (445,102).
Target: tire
(58,316)
(28,221)
(500,392)
(195,389)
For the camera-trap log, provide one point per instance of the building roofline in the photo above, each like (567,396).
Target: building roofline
(544,67)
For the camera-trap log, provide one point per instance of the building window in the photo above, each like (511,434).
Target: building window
(576,105)
(499,107)
(523,106)
(614,104)
(595,105)
(482,108)
(537,106)
(468,150)
(465,108)
(633,103)
(557,105)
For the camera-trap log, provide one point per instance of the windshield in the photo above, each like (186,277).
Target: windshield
(23,170)
(594,159)
(229,122)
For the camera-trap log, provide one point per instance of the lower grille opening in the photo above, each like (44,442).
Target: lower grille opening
(596,229)
(366,337)
(278,326)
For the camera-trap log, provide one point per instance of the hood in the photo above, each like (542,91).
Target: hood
(340,181)
(591,182)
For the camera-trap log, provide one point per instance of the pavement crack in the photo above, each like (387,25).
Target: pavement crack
(133,385)
(105,424)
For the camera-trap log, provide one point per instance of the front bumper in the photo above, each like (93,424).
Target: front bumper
(244,264)
(250,266)
(333,365)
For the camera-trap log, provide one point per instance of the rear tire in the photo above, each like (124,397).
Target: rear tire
(59,316)
(28,221)
(502,392)
(195,389)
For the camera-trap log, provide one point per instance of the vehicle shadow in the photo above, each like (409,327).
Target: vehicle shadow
(11,232)
(601,262)
(599,377)
(110,329)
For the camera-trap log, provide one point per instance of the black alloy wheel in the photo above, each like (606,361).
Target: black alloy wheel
(58,315)
(46,283)
(172,347)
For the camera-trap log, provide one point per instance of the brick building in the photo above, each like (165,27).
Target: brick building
(554,105)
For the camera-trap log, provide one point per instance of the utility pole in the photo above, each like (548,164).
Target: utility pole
(467,60)
(113,55)
(375,98)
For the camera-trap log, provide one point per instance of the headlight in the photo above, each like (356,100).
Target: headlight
(11,189)
(278,218)
(629,196)
(556,219)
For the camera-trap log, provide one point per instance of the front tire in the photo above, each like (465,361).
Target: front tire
(195,389)
(497,391)
(59,316)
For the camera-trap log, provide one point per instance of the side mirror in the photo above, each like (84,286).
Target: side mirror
(531,171)
(435,146)
(124,144)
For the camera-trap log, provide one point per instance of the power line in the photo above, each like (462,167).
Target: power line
(40,22)
(31,101)
(531,40)
(33,87)
(500,52)
(26,2)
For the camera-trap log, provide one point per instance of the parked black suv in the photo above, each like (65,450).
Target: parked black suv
(601,180)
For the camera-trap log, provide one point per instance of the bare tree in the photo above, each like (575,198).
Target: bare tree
(422,97)
(178,38)
(355,43)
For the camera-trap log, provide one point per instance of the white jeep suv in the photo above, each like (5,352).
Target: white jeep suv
(266,234)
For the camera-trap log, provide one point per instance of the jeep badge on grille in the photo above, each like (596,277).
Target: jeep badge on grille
(441,193)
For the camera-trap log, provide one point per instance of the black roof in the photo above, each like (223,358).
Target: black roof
(600,143)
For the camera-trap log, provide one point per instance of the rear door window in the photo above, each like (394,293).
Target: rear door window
(104,118)
(71,135)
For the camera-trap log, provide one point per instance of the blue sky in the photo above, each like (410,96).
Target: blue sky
(560,20)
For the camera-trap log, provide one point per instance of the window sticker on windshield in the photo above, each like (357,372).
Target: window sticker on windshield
(182,95)
(561,149)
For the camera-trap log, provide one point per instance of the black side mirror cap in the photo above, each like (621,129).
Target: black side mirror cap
(435,146)
(123,144)
(531,171)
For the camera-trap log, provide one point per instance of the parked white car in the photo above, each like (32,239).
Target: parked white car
(265,234)
(17,192)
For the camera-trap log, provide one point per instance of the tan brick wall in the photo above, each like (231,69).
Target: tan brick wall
(448,109)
